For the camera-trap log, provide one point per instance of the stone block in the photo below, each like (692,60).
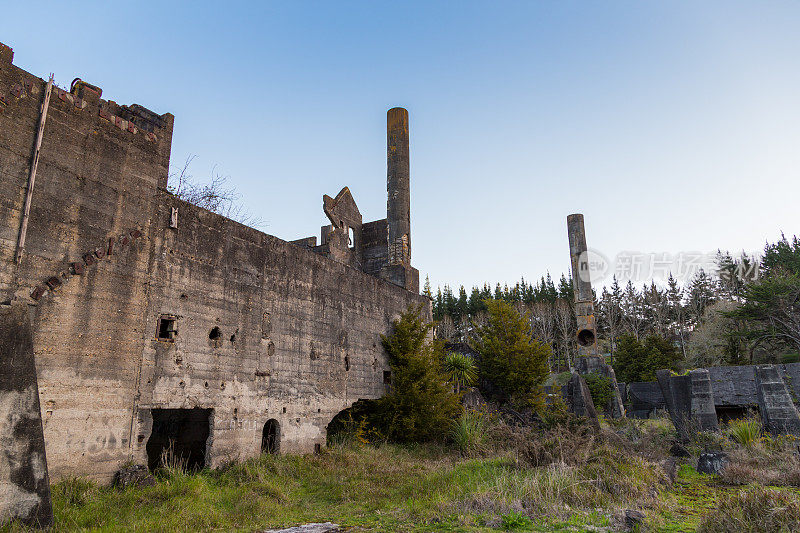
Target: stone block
(712,463)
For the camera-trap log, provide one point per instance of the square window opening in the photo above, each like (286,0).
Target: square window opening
(167,328)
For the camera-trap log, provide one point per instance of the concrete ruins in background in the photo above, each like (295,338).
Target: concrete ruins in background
(156,321)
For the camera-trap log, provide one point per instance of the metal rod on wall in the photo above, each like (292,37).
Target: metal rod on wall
(23,231)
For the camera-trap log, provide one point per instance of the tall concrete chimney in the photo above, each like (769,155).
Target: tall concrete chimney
(398,177)
(582,285)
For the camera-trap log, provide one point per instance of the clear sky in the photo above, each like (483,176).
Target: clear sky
(673,126)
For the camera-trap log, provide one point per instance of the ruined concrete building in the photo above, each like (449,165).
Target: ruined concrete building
(155,320)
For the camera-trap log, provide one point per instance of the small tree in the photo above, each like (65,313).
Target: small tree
(460,370)
(421,405)
(509,358)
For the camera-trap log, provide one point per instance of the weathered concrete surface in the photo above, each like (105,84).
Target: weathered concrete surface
(582,286)
(398,186)
(643,398)
(778,412)
(579,399)
(24,483)
(690,401)
(677,391)
(108,261)
(704,416)
(398,269)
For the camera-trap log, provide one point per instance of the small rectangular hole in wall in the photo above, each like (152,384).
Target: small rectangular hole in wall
(167,328)
(387,377)
(317,448)
(173,218)
(351,238)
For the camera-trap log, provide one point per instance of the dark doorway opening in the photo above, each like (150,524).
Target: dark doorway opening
(270,437)
(734,412)
(585,337)
(179,436)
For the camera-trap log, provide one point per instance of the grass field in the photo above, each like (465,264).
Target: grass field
(556,481)
(390,488)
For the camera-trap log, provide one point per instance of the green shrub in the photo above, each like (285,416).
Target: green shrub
(745,431)
(600,389)
(509,358)
(468,432)
(790,358)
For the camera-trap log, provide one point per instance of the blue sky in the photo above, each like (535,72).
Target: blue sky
(673,126)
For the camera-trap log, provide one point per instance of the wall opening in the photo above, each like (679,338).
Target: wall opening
(387,377)
(585,337)
(351,238)
(167,328)
(734,412)
(179,435)
(271,437)
(215,337)
(346,426)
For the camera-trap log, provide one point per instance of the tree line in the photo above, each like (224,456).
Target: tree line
(745,311)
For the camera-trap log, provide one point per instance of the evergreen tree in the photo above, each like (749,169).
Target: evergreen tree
(426,289)
(420,405)
(509,358)
(639,360)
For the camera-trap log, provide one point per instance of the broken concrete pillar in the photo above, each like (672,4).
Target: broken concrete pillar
(690,401)
(24,483)
(588,360)
(6,54)
(579,399)
(704,415)
(677,391)
(582,285)
(398,185)
(774,402)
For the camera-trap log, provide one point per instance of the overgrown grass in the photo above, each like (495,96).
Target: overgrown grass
(379,488)
(559,477)
(754,509)
(468,432)
(745,431)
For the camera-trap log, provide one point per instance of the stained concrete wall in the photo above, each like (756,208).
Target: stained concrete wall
(292,321)
(24,483)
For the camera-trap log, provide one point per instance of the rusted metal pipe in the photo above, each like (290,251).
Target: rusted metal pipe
(23,230)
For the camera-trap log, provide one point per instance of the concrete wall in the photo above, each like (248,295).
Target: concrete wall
(292,322)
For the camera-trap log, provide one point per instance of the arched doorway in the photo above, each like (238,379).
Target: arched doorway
(270,437)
